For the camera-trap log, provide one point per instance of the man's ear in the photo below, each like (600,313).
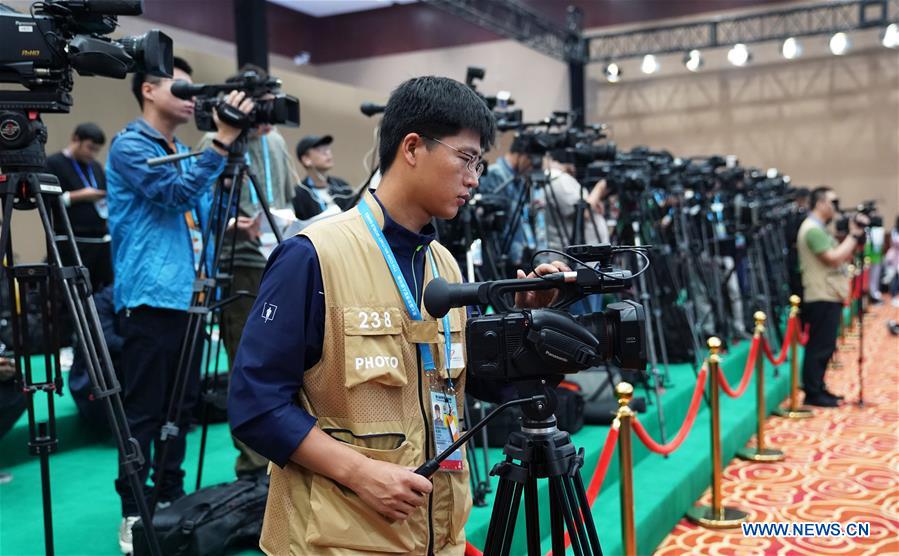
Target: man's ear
(146,90)
(410,148)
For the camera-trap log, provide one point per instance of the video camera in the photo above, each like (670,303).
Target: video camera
(271,106)
(40,50)
(515,345)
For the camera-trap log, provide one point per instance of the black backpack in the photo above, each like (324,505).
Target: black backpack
(209,520)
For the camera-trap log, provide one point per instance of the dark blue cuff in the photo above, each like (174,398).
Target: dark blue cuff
(276,434)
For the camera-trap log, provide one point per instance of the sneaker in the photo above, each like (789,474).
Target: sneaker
(161,505)
(895,301)
(5,477)
(125,543)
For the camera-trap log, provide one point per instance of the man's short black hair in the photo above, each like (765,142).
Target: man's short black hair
(436,107)
(818,193)
(519,145)
(140,78)
(89,131)
(802,192)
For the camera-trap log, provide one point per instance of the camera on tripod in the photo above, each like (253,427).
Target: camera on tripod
(271,106)
(40,51)
(516,345)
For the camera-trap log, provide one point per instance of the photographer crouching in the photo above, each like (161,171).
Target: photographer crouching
(155,220)
(825,283)
(339,367)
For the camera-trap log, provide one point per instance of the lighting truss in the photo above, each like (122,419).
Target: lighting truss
(816,19)
(514,20)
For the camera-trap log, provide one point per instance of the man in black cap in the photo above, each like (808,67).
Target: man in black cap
(318,191)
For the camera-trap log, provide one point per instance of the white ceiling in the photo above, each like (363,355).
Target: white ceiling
(324,8)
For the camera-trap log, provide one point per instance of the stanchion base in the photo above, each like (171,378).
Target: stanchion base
(754,454)
(705,516)
(798,413)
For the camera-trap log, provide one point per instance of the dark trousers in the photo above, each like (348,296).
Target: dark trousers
(234,317)
(152,345)
(823,318)
(97,258)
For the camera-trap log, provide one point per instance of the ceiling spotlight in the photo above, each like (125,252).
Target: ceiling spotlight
(650,64)
(613,73)
(693,60)
(890,36)
(791,49)
(839,44)
(739,55)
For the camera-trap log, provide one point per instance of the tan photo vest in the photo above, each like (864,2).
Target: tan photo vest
(368,391)
(820,282)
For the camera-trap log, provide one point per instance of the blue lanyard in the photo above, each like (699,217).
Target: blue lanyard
(312,189)
(398,279)
(267,165)
(92,183)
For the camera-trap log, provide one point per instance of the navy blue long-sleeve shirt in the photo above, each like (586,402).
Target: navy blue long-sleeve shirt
(283,338)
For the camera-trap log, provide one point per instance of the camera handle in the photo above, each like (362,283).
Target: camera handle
(432,465)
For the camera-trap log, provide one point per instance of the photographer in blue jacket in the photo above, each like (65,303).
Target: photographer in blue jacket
(156,217)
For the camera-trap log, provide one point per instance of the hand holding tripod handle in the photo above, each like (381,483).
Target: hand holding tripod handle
(432,465)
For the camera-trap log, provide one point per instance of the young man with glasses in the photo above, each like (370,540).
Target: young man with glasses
(155,220)
(340,366)
(825,283)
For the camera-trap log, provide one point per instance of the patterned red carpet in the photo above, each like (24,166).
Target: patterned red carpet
(842,465)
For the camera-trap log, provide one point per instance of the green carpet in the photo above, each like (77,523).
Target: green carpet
(86,507)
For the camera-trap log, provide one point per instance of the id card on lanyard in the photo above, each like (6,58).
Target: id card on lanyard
(267,167)
(90,181)
(445,425)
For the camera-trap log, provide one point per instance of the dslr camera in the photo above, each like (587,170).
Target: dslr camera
(271,106)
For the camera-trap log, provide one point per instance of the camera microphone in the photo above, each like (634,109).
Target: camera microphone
(440,296)
(370,108)
(186,90)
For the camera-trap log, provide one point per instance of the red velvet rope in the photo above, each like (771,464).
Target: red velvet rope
(803,337)
(685,426)
(792,328)
(599,475)
(747,372)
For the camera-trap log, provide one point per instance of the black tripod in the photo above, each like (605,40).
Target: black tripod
(858,286)
(541,451)
(205,303)
(23,188)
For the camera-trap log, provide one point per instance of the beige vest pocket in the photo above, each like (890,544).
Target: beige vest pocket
(339,518)
(373,346)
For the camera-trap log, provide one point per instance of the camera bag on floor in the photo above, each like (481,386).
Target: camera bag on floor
(208,521)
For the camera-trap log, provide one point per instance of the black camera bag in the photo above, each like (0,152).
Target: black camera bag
(208,521)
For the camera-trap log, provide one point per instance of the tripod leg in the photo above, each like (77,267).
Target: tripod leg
(567,513)
(577,516)
(499,519)
(581,493)
(532,517)
(557,525)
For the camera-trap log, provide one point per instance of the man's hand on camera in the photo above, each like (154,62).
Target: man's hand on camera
(393,491)
(226,134)
(542,298)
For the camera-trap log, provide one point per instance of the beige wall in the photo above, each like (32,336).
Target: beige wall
(325,108)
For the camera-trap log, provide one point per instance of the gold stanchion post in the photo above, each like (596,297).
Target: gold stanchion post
(760,452)
(716,516)
(794,410)
(625,392)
